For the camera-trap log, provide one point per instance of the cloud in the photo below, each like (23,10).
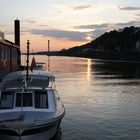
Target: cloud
(130,23)
(108,25)
(81,7)
(101,28)
(61,34)
(60,9)
(92,26)
(129,8)
(29,21)
(93,31)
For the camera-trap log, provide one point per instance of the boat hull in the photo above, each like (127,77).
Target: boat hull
(39,133)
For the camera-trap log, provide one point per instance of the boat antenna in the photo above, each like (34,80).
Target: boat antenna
(27,61)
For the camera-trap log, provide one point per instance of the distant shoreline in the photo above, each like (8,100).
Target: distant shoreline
(100,56)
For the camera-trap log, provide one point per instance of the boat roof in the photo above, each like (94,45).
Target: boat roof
(34,74)
(36,79)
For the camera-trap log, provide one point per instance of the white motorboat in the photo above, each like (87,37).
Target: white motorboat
(30,109)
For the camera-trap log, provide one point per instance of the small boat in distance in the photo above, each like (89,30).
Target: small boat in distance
(30,107)
(40,66)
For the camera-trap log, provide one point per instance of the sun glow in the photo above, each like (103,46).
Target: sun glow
(88,38)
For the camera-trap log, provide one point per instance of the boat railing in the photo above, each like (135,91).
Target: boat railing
(32,83)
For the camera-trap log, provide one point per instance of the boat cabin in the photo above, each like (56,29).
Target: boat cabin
(36,93)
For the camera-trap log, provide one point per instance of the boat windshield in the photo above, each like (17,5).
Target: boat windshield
(38,99)
(23,99)
(41,99)
(7,99)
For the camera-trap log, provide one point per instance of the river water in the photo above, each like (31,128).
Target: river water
(101,98)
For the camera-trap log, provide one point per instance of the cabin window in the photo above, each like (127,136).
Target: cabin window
(23,99)
(41,99)
(6,101)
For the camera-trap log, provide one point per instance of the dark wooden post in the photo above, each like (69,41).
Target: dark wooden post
(17,32)
(48,47)
(27,68)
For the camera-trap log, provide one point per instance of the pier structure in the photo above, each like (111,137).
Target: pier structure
(10,55)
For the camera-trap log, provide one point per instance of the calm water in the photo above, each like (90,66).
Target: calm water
(102,98)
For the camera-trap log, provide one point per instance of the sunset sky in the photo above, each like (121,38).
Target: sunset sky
(66,23)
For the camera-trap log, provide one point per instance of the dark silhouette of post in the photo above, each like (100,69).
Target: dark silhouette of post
(48,63)
(27,61)
(48,47)
(17,32)
(48,55)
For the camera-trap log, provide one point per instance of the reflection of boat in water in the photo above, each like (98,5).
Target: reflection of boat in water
(30,107)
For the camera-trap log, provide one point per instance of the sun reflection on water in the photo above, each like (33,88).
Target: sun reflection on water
(88,69)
